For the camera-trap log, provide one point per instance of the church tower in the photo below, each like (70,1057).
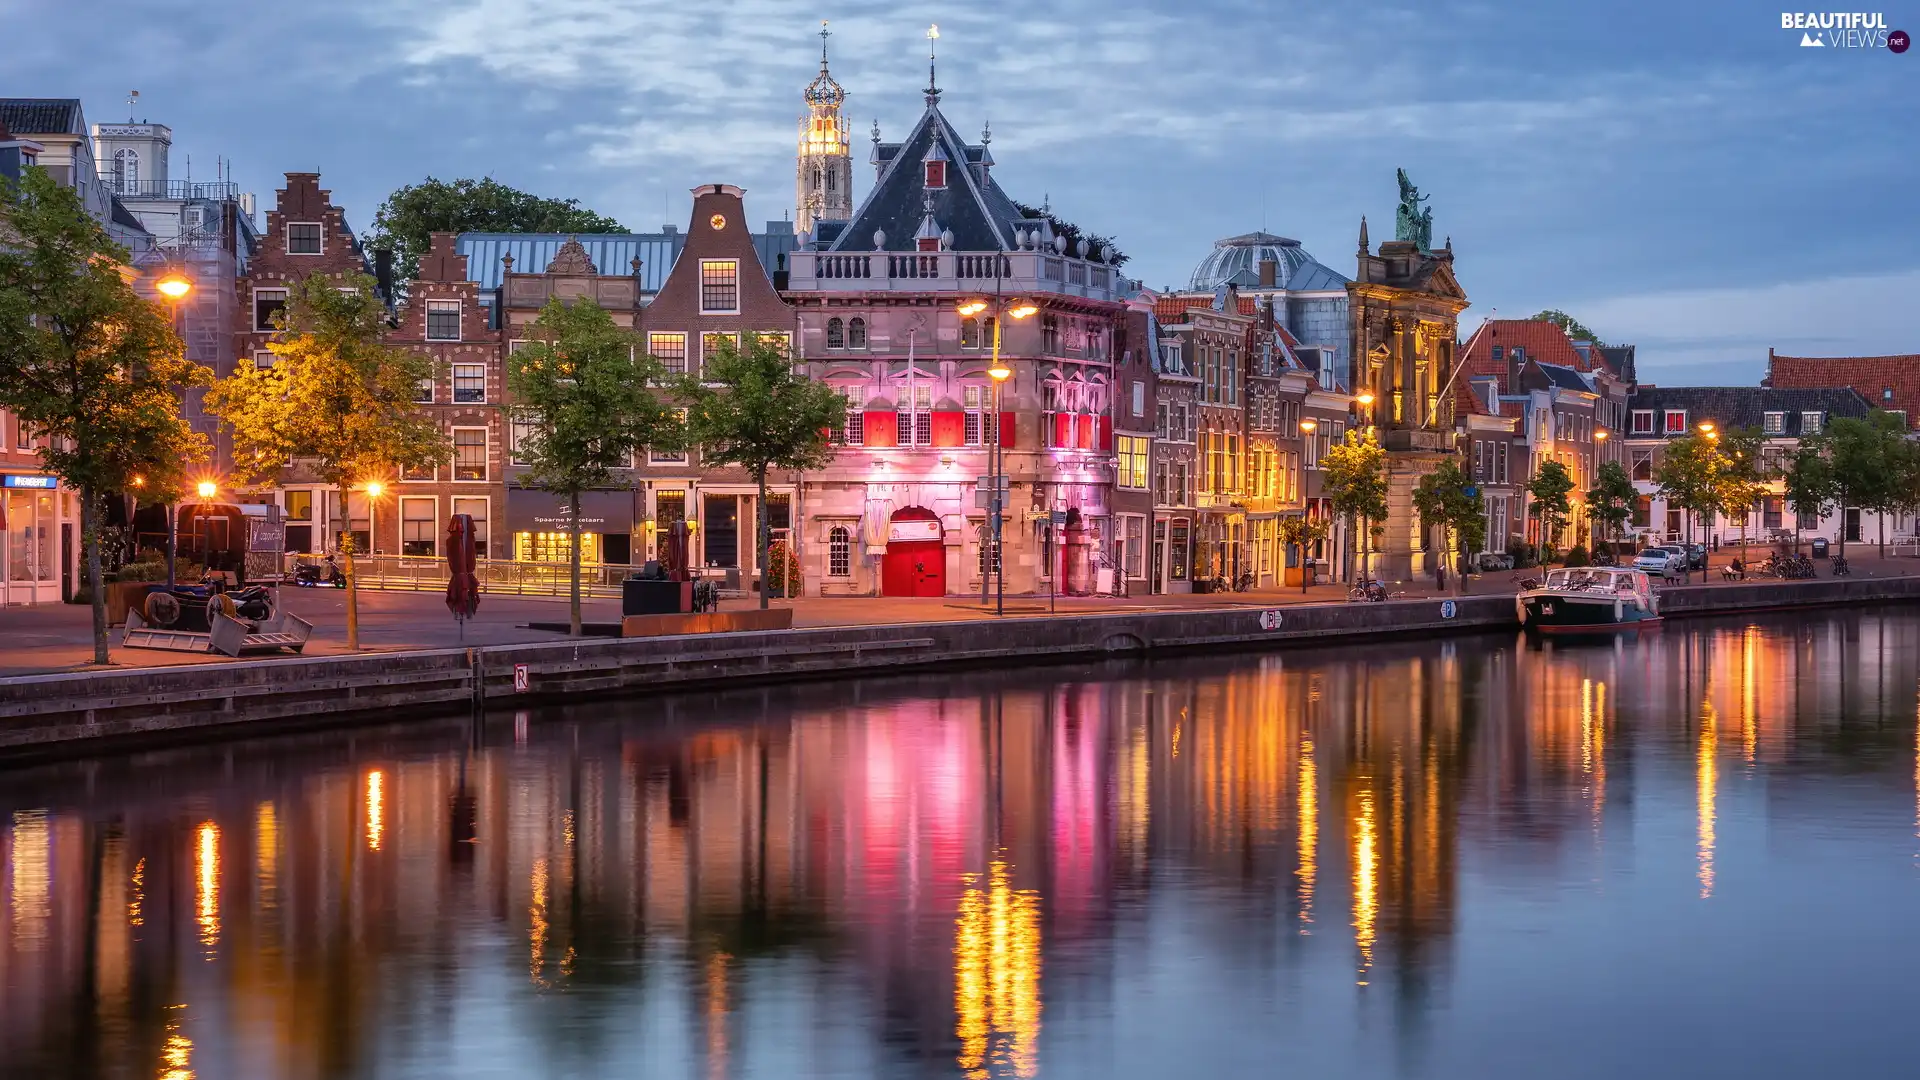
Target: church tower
(823,181)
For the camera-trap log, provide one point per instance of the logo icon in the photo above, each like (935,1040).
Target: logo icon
(1898,41)
(1808,41)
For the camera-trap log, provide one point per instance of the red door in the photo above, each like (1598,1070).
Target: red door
(914,568)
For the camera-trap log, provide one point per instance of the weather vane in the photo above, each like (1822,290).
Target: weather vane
(933,85)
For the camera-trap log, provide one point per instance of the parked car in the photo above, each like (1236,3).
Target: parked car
(1668,562)
(1696,556)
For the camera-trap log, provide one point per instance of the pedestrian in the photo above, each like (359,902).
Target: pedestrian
(1440,575)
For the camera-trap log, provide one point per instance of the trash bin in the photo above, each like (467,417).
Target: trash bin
(1819,547)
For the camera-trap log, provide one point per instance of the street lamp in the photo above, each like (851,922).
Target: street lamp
(1600,435)
(1366,402)
(999,373)
(173,285)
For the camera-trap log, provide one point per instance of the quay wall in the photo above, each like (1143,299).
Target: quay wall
(43,713)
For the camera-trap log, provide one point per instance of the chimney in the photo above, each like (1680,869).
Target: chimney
(780,272)
(383,273)
(1269,273)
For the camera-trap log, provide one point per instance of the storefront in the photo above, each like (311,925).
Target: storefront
(541,524)
(42,526)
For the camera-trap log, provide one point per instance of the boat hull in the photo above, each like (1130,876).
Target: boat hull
(1549,613)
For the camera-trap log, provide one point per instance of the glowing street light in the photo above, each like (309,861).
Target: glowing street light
(375,489)
(1600,435)
(1308,425)
(1706,427)
(174,285)
(207,489)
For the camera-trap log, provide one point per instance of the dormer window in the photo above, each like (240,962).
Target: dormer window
(936,174)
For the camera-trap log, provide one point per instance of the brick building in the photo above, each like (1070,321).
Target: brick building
(1135,389)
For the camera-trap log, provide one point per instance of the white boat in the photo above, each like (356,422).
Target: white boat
(1590,599)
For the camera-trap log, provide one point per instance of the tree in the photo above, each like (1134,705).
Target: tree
(1809,485)
(1574,328)
(1743,478)
(1447,497)
(749,407)
(1298,531)
(336,398)
(1689,476)
(1610,499)
(1073,232)
(409,217)
(1868,458)
(86,363)
(1354,480)
(1549,488)
(583,391)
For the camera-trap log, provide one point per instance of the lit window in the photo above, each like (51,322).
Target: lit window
(670,349)
(469,453)
(711,345)
(1133,454)
(839,551)
(978,401)
(1776,423)
(969,333)
(303,238)
(1676,421)
(469,383)
(719,286)
(443,320)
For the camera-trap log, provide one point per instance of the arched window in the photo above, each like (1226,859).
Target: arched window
(839,552)
(856,333)
(126,170)
(836,334)
(816,178)
(830,179)
(969,332)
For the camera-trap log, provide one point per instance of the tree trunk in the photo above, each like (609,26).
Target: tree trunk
(763,539)
(346,564)
(573,557)
(90,537)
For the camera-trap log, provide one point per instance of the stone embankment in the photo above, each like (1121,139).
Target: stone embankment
(45,712)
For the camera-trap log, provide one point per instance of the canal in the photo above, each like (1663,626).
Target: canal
(1693,854)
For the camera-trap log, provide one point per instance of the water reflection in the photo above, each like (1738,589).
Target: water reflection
(1126,871)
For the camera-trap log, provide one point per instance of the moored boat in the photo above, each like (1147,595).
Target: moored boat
(1591,599)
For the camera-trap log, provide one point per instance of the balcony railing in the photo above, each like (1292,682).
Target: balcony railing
(952,271)
(499,577)
(170,189)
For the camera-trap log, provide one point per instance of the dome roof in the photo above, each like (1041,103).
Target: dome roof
(1242,255)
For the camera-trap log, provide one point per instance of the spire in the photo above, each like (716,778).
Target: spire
(1363,234)
(876,131)
(986,133)
(933,84)
(824,35)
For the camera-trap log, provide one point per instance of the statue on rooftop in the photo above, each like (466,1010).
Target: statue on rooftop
(1412,221)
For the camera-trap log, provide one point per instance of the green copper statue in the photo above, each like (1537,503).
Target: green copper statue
(1411,221)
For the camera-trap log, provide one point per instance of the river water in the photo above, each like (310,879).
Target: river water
(1693,854)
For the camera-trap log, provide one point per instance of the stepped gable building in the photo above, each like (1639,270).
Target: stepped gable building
(1405,304)
(305,234)
(823,167)
(443,317)
(877,300)
(718,292)
(538,525)
(1886,382)
(1136,380)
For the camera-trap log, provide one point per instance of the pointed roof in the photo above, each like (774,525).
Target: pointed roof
(973,208)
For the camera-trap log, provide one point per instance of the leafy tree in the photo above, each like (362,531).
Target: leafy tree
(409,217)
(87,363)
(1298,531)
(1574,328)
(1443,499)
(1610,499)
(1868,459)
(749,407)
(1549,488)
(1354,480)
(336,398)
(1689,476)
(1073,232)
(1743,478)
(1809,485)
(582,388)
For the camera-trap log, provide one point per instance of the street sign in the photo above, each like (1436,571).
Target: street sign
(1058,517)
(1448,609)
(985,483)
(1270,619)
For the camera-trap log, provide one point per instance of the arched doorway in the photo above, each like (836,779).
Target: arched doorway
(916,559)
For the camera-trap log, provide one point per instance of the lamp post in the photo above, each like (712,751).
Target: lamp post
(1307,428)
(173,286)
(205,489)
(1000,373)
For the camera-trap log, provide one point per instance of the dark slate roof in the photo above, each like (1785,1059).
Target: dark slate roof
(1747,406)
(979,214)
(1620,359)
(1565,378)
(42,116)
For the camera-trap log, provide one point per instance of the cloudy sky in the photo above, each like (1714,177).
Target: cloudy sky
(1683,176)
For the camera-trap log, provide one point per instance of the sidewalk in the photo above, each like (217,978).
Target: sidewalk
(58,637)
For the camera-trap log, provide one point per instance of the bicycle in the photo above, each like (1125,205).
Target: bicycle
(1243,582)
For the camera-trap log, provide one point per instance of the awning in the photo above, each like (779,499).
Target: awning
(529,510)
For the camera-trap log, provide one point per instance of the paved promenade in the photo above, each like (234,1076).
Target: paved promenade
(57,637)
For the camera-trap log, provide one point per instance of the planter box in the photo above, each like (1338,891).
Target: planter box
(124,595)
(718,622)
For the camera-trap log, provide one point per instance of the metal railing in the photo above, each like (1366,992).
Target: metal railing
(502,577)
(171,189)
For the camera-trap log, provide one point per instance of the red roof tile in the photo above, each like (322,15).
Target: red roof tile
(1869,376)
(1466,401)
(1542,341)
(1172,307)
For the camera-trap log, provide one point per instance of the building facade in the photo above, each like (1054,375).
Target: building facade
(1886,382)
(876,301)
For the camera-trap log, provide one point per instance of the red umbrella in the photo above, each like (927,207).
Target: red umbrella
(463,588)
